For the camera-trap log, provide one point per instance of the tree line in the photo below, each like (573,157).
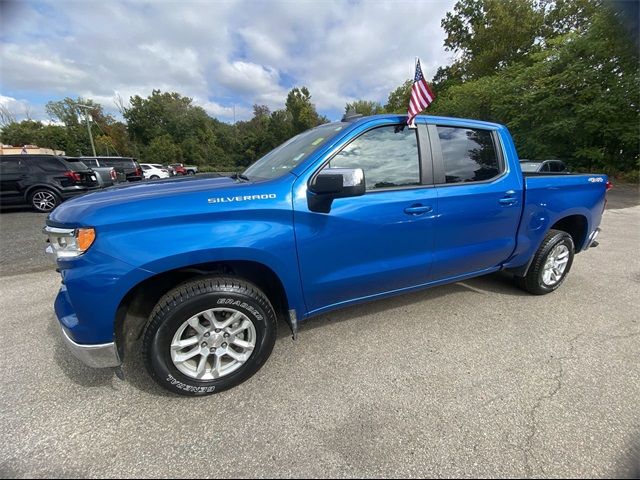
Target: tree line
(561,74)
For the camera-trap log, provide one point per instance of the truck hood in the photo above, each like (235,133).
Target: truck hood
(139,202)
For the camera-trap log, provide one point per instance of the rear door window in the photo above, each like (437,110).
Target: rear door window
(48,164)
(469,154)
(10,165)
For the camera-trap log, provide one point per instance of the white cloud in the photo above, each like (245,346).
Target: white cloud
(15,109)
(220,53)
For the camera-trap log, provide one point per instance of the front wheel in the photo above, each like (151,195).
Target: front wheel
(154,177)
(550,265)
(209,335)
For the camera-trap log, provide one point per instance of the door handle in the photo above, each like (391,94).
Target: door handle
(418,209)
(509,198)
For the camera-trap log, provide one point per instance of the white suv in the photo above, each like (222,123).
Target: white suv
(154,171)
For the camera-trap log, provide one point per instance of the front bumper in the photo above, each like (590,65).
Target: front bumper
(96,356)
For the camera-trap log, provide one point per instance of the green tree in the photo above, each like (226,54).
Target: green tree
(72,113)
(398,101)
(576,97)
(491,34)
(162,150)
(21,133)
(171,115)
(303,112)
(364,107)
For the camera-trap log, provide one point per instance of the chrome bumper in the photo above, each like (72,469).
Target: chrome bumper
(96,356)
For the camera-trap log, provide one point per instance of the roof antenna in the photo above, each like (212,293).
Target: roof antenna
(351,115)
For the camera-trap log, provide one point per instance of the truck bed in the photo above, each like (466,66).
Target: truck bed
(576,197)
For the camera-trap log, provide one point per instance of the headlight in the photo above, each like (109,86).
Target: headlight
(69,242)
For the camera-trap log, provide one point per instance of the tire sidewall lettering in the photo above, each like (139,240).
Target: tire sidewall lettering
(238,303)
(161,362)
(189,388)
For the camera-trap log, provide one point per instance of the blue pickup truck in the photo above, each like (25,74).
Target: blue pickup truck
(196,273)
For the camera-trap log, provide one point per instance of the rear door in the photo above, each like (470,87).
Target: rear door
(479,201)
(376,243)
(13,177)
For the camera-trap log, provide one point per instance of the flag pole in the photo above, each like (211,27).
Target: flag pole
(413,74)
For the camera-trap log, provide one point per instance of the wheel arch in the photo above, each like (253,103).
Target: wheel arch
(133,311)
(575,225)
(44,186)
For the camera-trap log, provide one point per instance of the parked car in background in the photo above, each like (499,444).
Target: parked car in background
(107,176)
(540,166)
(179,168)
(170,169)
(105,172)
(154,171)
(127,166)
(191,169)
(43,181)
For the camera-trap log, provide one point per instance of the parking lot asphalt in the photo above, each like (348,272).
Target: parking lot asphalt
(473,379)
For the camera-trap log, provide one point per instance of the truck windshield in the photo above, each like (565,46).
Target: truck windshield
(287,156)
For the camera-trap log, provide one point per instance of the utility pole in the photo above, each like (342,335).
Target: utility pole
(86,117)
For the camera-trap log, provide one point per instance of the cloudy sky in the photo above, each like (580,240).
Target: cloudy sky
(220,53)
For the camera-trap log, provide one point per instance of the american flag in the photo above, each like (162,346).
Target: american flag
(421,95)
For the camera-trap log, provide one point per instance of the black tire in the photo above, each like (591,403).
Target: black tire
(189,299)
(191,172)
(154,177)
(43,200)
(533,281)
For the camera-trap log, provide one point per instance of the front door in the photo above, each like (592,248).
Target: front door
(376,243)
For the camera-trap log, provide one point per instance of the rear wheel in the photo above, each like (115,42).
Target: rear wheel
(43,200)
(550,265)
(209,335)
(154,177)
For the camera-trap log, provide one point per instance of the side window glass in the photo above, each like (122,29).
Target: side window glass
(50,165)
(388,155)
(10,165)
(545,168)
(469,154)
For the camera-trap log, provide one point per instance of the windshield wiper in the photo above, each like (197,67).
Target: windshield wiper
(240,176)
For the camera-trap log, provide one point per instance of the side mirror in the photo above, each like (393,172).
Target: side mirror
(333,183)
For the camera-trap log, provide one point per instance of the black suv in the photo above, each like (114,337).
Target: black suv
(43,181)
(126,166)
